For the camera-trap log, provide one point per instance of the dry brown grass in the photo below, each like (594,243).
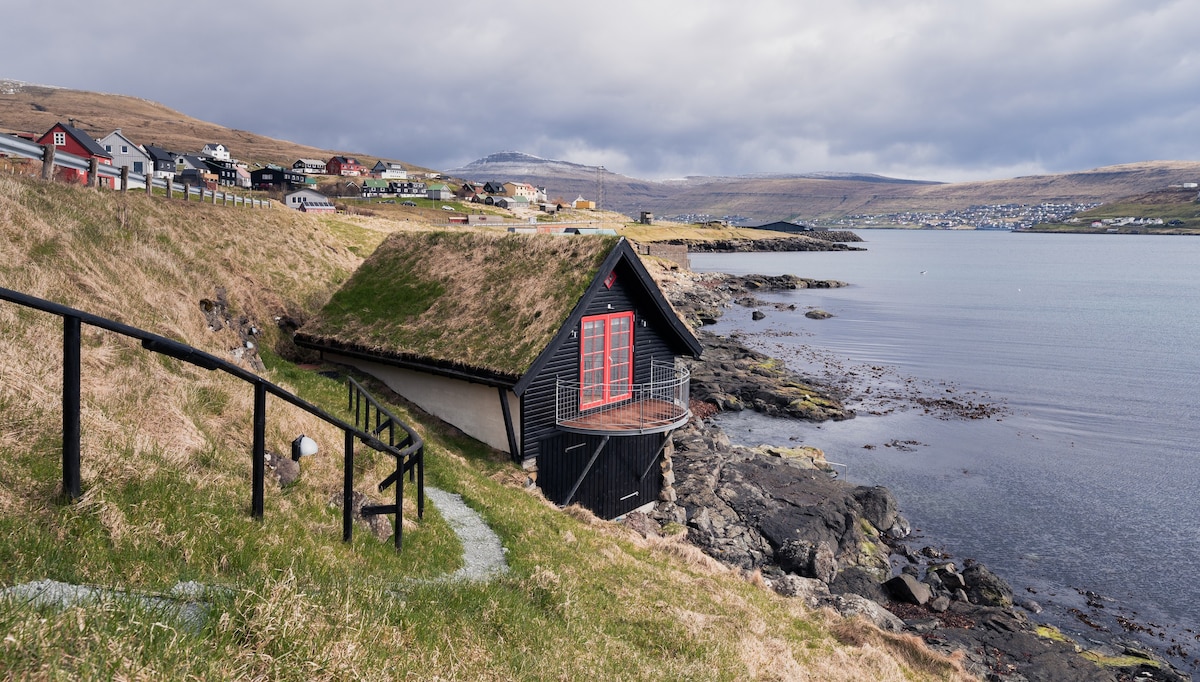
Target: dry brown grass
(663,231)
(858,633)
(147,263)
(35,109)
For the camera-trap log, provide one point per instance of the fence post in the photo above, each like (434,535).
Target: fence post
(47,161)
(214,195)
(171,187)
(187,192)
(260,448)
(149,184)
(124,179)
(93,172)
(70,407)
(348,489)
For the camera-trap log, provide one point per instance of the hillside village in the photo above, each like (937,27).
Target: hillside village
(306,184)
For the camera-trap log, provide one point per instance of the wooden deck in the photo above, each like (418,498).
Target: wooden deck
(644,416)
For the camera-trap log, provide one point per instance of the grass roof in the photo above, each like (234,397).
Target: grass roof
(473,300)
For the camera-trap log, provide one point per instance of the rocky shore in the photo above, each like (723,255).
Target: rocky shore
(817,240)
(782,513)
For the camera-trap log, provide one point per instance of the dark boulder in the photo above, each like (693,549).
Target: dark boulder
(808,560)
(854,580)
(878,506)
(906,588)
(986,588)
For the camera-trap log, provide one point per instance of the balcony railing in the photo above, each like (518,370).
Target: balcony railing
(654,407)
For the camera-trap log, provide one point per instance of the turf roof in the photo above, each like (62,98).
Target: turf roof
(473,300)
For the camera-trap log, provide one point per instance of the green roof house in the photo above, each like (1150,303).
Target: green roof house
(558,350)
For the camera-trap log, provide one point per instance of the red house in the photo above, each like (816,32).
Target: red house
(74,141)
(345,165)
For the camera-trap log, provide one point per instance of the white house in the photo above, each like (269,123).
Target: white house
(299,198)
(125,153)
(309,166)
(217,151)
(389,170)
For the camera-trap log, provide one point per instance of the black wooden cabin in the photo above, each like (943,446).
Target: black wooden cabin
(586,392)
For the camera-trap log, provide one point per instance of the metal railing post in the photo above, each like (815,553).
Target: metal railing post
(421,482)
(259,454)
(70,408)
(348,489)
(412,454)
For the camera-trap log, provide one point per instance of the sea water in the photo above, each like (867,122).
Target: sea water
(1088,480)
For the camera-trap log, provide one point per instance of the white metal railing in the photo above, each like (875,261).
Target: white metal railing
(15,146)
(656,406)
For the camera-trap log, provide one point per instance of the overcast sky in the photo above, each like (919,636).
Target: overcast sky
(934,89)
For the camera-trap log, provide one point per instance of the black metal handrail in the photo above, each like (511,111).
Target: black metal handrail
(408,457)
(360,402)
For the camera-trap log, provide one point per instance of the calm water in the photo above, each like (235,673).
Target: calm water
(1090,481)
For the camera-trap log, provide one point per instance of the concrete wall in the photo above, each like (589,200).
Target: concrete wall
(473,408)
(675,253)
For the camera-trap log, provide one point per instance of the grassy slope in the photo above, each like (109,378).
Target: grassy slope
(166,480)
(1171,204)
(34,109)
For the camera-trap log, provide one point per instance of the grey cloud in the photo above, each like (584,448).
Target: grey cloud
(943,89)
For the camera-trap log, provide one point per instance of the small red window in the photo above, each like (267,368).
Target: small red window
(605,359)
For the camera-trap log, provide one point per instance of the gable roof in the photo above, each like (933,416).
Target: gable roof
(314,194)
(477,305)
(117,134)
(160,155)
(193,161)
(82,138)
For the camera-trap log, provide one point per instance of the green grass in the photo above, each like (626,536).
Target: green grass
(359,240)
(301,604)
(397,293)
(463,297)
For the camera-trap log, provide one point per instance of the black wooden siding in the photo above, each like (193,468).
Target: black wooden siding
(537,404)
(615,484)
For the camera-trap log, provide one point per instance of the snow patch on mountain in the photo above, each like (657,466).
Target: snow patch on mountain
(518,163)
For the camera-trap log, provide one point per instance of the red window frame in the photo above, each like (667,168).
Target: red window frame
(605,359)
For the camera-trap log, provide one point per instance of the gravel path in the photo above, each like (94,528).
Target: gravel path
(483,559)
(483,555)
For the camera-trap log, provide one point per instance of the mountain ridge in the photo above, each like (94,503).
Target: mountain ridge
(756,197)
(819,196)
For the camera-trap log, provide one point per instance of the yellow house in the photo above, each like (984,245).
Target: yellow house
(581,203)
